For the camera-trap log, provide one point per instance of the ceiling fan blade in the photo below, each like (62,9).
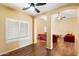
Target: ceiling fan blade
(25,8)
(37,10)
(40,4)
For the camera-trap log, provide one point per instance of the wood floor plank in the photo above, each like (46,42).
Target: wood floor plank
(40,50)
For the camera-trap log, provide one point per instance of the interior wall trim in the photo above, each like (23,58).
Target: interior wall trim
(49,48)
(5,52)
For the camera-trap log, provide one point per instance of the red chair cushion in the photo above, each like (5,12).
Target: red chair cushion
(42,37)
(69,38)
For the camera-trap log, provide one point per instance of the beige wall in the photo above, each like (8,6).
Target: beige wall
(77,33)
(62,27)
(11,13)
(40,25)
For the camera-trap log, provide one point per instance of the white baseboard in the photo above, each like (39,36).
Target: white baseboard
(49,48)
(11,50)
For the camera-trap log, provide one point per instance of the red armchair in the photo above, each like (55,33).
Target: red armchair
(42,36)
(69,38)
(55,37)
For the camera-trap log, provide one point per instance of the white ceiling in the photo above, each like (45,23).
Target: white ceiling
(44,8)
(70,13)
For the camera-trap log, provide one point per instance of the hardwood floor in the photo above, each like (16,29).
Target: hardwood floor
(40,50)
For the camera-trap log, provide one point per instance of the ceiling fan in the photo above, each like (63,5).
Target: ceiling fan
(60,16)
(34,6)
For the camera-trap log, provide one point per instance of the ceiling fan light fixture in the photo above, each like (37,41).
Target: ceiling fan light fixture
(32,8)
(60,16)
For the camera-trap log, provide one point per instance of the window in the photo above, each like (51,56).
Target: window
(16,29)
